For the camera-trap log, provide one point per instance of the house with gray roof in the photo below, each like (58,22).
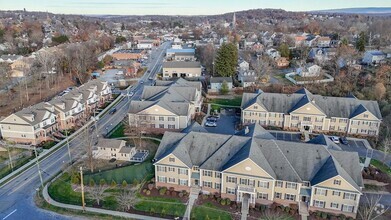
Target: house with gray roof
(252,164)
(304,111)
(217,82)
(175,69)
(167,105)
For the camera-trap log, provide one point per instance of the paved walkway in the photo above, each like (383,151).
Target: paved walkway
(95,210)
(245,206)
(194,191)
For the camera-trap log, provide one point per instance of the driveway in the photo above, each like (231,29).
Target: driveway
(225,124)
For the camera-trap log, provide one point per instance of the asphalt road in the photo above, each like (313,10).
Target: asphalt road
(17,196)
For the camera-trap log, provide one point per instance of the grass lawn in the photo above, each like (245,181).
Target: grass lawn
(237,101)
(61,191)
(48,144)
(381,166)
(7,170)
(208,211)
(118,132)
(128,173)
(161,207)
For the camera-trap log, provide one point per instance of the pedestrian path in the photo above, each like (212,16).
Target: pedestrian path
(95,210)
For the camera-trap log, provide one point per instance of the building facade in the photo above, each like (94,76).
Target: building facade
(303,111)
(252,164)
(169,105)
(175,69)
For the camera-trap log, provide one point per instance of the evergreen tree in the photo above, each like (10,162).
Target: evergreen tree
(92,182)
(284,50)
(226,60)
(224,88)
(361,41)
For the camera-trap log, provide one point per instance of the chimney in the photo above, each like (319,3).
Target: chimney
(246,130)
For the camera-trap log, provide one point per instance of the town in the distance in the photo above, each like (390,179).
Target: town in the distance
(255,114)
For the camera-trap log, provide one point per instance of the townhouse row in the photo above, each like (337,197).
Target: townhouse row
(317,176)
(37,123)
(303,111)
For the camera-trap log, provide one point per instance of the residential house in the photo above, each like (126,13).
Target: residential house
(304,111)
(282,62)
(32,125)
(324,41)
(243,65)
(316,176)
(108,149)
(273,53)
(322,55)
(184,56)
(373,57)
(175,69)
(247,78)
(147,44)
(20,67)
(10,58)
(169,105)
(309,70)
(217,82)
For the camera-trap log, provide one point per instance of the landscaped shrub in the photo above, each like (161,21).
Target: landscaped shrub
(148,192)
(204,196)
(162,190)
(135,182)
(144,190)
(234,205)
(262,208)
(180,194)
(287,209)
(91,183)
(168,192)
(171,189)
(223,202)
(102,182)
(323,215)
(150,186)
(75,179)
(218,200)
(341,217)
(124,184)
(113,183)
(227,201)
(174,193)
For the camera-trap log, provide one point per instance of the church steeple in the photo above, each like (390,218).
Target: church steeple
(234,21)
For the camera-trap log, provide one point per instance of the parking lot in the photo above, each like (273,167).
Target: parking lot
(225,124)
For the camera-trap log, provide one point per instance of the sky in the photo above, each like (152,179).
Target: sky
(179,7)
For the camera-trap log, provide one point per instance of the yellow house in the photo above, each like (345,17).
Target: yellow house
(255,167)
(304,111)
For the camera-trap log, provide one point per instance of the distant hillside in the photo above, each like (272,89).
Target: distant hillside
(371,11)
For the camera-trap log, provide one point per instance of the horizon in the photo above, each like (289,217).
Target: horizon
(177,8)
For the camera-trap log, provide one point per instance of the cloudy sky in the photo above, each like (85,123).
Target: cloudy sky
(179,7)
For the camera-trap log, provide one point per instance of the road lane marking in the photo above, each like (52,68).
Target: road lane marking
(10,214)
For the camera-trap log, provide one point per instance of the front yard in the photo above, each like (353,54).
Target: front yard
(236,101)
(209,211)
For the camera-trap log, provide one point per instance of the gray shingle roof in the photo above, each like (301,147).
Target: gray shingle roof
(182,64)
(220,79)
(283,160)
(343,107)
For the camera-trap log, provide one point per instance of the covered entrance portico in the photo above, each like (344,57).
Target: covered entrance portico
(306,126)
(248,192)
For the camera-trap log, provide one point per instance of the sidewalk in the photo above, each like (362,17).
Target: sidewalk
(49,200)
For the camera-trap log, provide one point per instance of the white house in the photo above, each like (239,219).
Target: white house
(273,53)
(244,65)
(311,70)
(373,57)
(217,82)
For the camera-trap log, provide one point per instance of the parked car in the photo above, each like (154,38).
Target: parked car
(335,139)
(141,81)
(112,111)
(210,124)
(131,94)
(344,140)
(211,118)
(216,115)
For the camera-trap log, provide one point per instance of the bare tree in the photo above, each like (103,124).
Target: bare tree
(89,144)
(97,193)
(137,127)
(263,67)
(46,59)
(127,198)
(371,209)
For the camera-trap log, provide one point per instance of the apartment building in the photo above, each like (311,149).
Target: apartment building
(167,105)
(175,69)
(36,123)
(31,125)
(303,111)
(252,165)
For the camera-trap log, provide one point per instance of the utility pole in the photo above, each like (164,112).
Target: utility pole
(39,169)
(69,151)
(10,156)
(82,188)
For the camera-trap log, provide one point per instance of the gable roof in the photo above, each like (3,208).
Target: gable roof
(342,107)
(283,160)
